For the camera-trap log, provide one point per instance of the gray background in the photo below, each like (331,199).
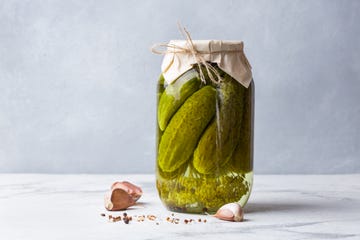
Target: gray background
(77,81)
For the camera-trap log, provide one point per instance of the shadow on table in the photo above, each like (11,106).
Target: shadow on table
(278,207)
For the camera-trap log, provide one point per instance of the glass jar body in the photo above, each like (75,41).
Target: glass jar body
(205,133)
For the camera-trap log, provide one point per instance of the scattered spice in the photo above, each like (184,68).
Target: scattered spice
(126,218)
(150,217)
(141,218)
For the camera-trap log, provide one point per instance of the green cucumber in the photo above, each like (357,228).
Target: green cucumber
(175,95)
(182,134)
(243,156)
(220,139)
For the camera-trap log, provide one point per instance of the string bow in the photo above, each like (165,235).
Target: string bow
(199,59)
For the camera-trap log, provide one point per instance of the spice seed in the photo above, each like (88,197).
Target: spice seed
(141,218)
(103,215)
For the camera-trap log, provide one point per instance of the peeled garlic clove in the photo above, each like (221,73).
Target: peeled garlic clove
(225,214)
(130,188)
(118,199)
(230,212)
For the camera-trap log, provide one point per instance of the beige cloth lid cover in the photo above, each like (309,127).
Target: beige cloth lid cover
(229,56)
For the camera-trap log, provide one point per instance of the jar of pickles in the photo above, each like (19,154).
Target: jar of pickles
(205,126)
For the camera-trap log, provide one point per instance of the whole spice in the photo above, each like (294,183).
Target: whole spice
(230,212)
(151,217)
(141,218)
(117,219)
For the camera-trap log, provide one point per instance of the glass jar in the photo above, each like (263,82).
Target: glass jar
(205,132)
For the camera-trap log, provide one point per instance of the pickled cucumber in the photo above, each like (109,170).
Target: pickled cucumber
(220,139)
(242,160)
(160,90)
(160,86)
(174,96)
(181,136)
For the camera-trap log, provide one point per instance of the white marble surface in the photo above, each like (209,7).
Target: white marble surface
(281,207)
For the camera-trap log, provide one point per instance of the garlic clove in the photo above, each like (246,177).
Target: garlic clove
(225,214)
(118,199)
(230,212)
(130,188)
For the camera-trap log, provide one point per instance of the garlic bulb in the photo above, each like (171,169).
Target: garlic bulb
(230,212)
